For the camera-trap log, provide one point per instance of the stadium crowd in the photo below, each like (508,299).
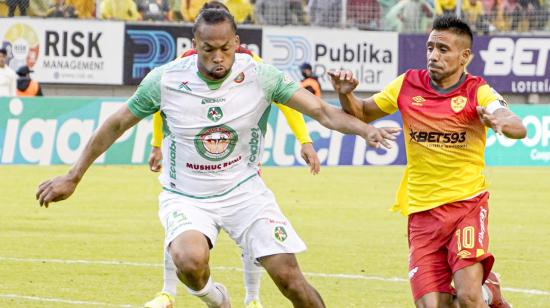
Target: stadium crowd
(484,16)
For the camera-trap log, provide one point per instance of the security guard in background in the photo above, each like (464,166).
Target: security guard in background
(310,81)
(25,85)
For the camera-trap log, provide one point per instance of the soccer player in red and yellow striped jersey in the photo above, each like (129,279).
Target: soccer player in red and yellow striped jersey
(446,113)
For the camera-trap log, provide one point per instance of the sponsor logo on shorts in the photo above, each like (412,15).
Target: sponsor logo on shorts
(280,233)
(175,221)
(463,254)
(413,272)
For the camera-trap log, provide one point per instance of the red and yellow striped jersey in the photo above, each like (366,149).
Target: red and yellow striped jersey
(444,138)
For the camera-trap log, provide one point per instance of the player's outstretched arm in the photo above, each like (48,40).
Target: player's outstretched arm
(62,187)
(336,119)
(503,122)
(364,109)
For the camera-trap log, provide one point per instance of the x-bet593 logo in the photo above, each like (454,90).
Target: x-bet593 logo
(524,57)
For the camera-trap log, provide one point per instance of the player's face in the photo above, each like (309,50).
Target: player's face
(215,45)
(446,54)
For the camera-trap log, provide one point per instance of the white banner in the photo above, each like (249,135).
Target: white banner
(65,50)
(371,56)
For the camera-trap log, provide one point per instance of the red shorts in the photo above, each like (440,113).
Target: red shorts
(446,239)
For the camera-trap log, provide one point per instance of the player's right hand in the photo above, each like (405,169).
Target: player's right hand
(343,82)
(155,159)
(380,136)
(56,189)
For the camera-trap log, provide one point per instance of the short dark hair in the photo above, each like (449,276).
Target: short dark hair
(453,24)
(4,51)
(214,17)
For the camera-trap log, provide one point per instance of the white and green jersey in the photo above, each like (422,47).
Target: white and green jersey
(213,130)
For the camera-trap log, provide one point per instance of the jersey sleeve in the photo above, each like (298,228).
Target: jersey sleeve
(156,141)
(296,123)
(386,100)
(146,99)
(489,98)
(276,85)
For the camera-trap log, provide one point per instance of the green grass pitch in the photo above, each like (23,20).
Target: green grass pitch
(357,248)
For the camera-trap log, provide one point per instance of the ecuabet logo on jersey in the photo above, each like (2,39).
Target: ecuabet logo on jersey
(216,143)
(458,103)
(280,233)
(239,78)
(214,114)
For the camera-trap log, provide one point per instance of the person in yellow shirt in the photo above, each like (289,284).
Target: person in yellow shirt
(191,8)
(119,9)
(445,7)
(446,113)
(242,10)
(84,8)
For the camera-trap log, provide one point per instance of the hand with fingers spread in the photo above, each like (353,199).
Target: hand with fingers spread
(343,81)
(56,189)
(378,137)
(155,159)
(489,120)
(310,156)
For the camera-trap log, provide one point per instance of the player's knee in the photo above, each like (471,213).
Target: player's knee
(291,283)
(189,261)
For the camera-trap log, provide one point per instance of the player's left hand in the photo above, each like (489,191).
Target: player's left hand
(489,120)
(310,156)
(56,189)
(155,159)
(378,137)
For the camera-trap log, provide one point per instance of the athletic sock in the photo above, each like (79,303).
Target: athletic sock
(486,294)
(252,278)
(210,295)
(170,275)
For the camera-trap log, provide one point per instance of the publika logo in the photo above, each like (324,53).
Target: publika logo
(214,114)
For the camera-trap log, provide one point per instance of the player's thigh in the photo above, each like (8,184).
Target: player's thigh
(468,280)
(261,229)
(179,214)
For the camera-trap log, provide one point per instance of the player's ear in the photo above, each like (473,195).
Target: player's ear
(237,40)
(466,57)
(194,43)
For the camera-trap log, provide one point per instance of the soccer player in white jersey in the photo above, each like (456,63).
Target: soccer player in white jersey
(215,106)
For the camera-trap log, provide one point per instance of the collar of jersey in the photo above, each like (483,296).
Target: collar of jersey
(213,84)
(449,89)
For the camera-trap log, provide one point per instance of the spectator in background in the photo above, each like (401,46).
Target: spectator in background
(119,10)
(175,10)
(325,13)
(473,15)
(410,16)
(59,9)
(364,14)
(444,7)
(191,8)
(155,10)
(242,10)
(7,76)
(25,85)
(310,81)
(297,14)
(272,12)
(13,4)
(39,8)
(84,8)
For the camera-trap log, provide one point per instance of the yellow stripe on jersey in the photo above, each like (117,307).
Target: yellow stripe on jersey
(486,95)
(294,119)
(387,99)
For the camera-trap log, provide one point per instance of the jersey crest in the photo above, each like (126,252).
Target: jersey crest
(458,103)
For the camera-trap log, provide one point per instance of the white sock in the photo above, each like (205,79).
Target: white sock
(170,275)
(486,294)
(252,278)
(210,295)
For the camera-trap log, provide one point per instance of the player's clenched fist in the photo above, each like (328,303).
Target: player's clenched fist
(343,82)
